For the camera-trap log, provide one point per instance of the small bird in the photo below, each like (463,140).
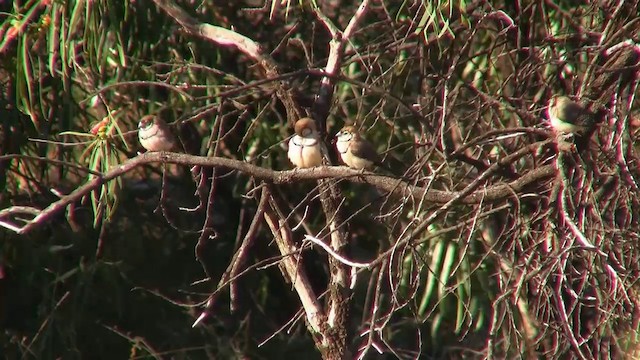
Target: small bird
(569,117)
(355,151)
(305,147)
(155,135)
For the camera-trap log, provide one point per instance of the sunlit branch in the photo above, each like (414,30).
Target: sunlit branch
(385,183)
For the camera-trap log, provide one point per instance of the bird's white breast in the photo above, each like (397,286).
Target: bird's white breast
(355,162)
(342,144)
(304,152)
(154,139)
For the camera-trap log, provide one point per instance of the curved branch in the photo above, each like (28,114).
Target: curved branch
(247,46)
(385,183)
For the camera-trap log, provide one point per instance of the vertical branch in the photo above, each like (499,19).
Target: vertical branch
(337,48)
(233,270)
(242,252)
(292,265)
(329,193)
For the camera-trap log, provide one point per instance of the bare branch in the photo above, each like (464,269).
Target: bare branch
(246,45)
(381,182)
(337,256)
(282,235)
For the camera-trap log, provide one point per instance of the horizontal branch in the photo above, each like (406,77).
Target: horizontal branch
(385,183)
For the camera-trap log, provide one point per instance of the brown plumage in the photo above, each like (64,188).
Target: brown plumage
(355,151)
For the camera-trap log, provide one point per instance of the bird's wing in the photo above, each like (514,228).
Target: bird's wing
(363,149)
(169,132)
(572,113)
(586,119)
(581,115)
(189,137)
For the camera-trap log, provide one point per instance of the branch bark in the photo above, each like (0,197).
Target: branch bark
(292,265)
(384,183)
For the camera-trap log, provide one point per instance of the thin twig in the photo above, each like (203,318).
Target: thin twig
(328,249)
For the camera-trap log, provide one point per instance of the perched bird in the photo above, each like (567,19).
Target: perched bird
(305,147)
(155,135)
(356,152)
(569,117)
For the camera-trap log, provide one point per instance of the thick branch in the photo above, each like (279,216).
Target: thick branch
(292,265)
(337,46)
(329,193)
(385,183)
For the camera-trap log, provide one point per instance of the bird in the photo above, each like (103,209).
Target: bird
(568,117)
(305,147)
(355,151)
(155,135)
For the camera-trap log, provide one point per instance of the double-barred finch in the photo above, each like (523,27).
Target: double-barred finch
(569,117)
(305,147)
(355,151)
(155,135)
